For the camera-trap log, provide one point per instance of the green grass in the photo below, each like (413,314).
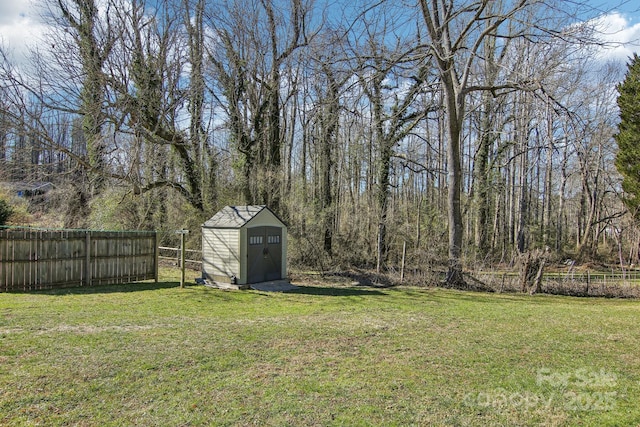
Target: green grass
(330,354)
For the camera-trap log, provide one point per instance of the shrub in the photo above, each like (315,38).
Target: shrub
(5,211)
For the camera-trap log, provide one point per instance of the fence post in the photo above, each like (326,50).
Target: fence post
(157,254)
(182,255)
(404,253)
(182,252)
(87,244)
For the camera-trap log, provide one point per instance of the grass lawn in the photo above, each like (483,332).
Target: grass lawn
(329,354)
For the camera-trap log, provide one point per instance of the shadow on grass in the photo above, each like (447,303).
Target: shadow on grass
(334,291)
(540,299)
(101,289)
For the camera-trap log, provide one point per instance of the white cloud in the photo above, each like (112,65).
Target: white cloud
(621,36)
(20,27)
(10,9)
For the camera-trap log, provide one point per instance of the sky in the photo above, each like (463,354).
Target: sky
(20,27)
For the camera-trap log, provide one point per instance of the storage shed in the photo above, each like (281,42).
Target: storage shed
(242,245)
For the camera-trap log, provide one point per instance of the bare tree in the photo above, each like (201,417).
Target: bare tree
(94,43)
(331,77)
(252,41)
(456,35)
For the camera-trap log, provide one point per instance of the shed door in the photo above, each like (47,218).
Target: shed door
(264,254)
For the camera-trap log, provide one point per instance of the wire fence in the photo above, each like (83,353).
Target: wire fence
(625,284)
(171,256)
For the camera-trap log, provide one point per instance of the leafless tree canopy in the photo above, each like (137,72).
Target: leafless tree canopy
(435,134)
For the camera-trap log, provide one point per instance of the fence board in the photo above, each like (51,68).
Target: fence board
(43,259)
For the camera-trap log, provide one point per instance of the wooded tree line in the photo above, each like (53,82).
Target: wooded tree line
(449,133)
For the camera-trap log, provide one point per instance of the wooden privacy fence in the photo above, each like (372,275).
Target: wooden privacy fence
(43,259)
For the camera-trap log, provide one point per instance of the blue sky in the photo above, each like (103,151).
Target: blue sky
(20,27)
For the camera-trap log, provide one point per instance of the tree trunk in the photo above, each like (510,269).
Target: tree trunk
(92,52)
(455,113)
(531,271)
(481,180)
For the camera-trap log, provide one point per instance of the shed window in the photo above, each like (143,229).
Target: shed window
(273,240)
(255,240)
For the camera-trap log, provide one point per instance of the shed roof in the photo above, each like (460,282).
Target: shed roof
(235,216)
